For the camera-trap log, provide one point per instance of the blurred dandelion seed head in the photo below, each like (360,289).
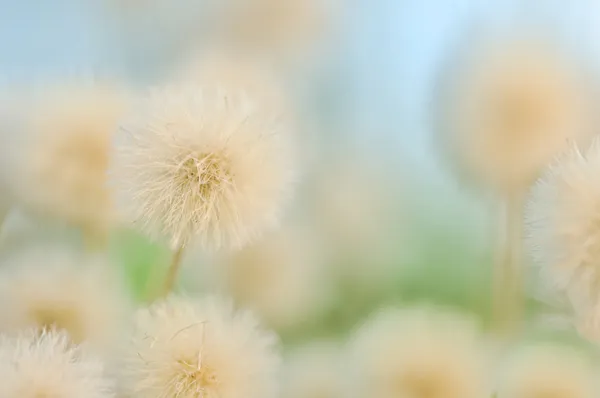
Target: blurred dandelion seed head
(200,164)
(47,364)
(508,108)
(57,288)
(563,234)
(418,352)
(62,171)
(191,348)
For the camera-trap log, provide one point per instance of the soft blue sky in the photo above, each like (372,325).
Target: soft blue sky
(387,58)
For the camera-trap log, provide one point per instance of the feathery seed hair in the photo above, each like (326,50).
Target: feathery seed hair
(46,363)
(201,164)
(199,348)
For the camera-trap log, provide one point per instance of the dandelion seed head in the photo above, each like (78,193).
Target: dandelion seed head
(418,353)
(53,287)
(509,109)
(203,348)
(46,364)
(563,227)
(202,165)
(61,173)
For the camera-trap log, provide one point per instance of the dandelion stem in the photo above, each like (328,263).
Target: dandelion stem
(508,270)
(173,271)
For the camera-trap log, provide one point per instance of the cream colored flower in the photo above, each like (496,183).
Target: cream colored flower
(547,371)
(418,353)
(47,364)
(281,277)
(60,163)
(53,287)
(201,164)
(277,27)
(314,371)
(508,109)
(199,348)
(563,234)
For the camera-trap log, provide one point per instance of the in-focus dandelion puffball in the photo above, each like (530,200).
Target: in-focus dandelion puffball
(563,227)
(507,109)
(46,364)
(203,348)
(204,165)
(418,352)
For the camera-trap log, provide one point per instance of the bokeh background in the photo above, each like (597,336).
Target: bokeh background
(377,218)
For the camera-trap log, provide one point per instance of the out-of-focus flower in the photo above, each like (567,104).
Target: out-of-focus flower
(563,231)
(313,371)
(34,365)
(277,27)
(280,277)
(51,287)
(59,164)
(202,164)
(548,371)
(419,352)
(187,349)
(508,108)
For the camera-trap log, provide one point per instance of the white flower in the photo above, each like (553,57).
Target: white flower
(508,108)
(200,164)
(34,365)
(59,164)
(281,277)
(53,287)
(202,348)
(563,227)
(418,353)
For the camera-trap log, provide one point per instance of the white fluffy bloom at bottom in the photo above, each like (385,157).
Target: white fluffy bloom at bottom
(46,364)
(419,352)
(199,348)
(548,371)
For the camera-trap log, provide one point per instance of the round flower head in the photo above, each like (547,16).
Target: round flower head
(313,371)
(202,164)
(279,277)
(46,364)
(541,372)
(563,233)
(418,353)
(508,109)
(47,287)
(60,165)
(188,349)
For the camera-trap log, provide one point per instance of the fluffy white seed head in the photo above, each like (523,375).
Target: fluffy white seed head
(508,109)
(61,159)
(203,348)
(548,371)
(418,353)
(46,364)
(281,277)
(201,164)
(52,287)
(563,227)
